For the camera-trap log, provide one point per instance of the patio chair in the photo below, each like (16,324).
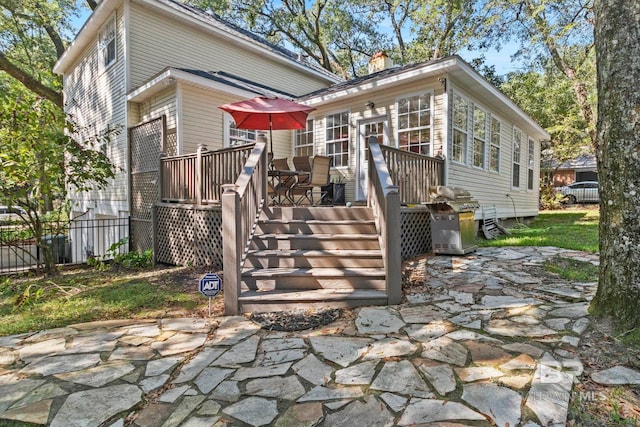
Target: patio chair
(281,164)
(281,184)
(319,178)
(303,163)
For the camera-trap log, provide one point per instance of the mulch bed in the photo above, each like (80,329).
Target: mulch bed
(297,320)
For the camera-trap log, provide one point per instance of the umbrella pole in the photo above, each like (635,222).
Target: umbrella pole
(271,142)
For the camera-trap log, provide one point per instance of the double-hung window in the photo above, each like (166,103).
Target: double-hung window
(494,153)
(517,148)
(337,138)
(479,136)
(107,44)
(460,128)
(303,143)
(530,165)
(414,124)
(240,136)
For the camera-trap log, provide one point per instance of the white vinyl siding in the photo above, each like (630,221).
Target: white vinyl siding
(517,152)
(95,99)
(460,128)
(414,123)
(479,137)
(157,42)
(303,141)
(162,103)
(337,138)
(488,186)
(494,153)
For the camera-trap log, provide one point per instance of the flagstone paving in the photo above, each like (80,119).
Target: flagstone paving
(483,341)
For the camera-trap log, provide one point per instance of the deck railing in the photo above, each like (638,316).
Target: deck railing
(384,198)
(242,203)
(413,173)
(198,178)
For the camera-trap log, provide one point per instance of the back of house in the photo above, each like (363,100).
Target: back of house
(158,70)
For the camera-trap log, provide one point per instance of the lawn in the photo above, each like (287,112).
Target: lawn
(571,228)
(84,294)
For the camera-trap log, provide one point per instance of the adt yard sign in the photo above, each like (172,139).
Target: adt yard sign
(210,285)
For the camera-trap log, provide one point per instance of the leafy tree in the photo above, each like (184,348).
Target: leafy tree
(617,38)
(559,32)
(548,98)
(443,27)
(39,161)
(334,34)
(341,36)
(32,38)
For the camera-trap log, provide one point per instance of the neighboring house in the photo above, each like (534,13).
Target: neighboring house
(582,168)
(135,60)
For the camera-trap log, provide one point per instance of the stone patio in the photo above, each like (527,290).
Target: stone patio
(481,340)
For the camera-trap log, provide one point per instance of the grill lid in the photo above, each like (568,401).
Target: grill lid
(444,193)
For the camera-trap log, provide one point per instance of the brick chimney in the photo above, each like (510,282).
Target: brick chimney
(379,61)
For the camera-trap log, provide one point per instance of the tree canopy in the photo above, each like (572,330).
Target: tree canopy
(33,35)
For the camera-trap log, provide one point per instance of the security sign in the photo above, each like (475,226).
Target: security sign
(210,285)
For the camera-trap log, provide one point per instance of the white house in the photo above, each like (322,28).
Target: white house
(135,60)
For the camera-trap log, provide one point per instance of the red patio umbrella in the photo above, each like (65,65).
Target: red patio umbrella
(262,113)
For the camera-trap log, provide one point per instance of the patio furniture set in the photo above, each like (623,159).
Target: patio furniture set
(295,186)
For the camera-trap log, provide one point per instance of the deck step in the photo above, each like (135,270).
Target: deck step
(300,226)
(303,257)
(278,300)
(313,278)
(315,241)
(297,258)
(317,213)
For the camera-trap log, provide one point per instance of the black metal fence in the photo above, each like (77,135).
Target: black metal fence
(68,242)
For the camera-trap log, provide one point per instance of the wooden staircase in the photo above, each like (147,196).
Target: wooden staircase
(303,257)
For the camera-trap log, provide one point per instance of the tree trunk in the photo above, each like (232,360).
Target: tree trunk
(617,37)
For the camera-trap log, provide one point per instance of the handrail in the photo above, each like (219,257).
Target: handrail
(414,173)
(198,177)
(242,203)
(384,198)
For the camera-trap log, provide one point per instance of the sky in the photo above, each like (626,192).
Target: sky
(500,59)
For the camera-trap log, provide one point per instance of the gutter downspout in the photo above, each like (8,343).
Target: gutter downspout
(445,125)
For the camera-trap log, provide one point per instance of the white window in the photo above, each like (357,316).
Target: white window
(107,44)
(460,128)
(517,148)
(337,139)
(414,124)
(240,136)
(479,137)
(530,165)
(303,143)
(494,160)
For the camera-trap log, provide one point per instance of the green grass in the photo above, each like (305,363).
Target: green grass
(576,229)
(86,295)
(572,269)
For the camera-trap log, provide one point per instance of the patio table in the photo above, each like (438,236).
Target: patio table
(283,181)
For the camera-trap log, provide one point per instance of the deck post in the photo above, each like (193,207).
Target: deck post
(393,252)
(199,177)
(232,252)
